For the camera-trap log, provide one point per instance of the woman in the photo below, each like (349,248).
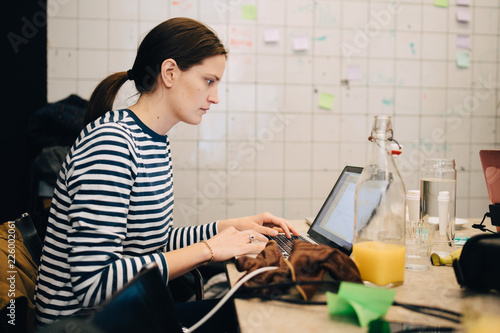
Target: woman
(112,207)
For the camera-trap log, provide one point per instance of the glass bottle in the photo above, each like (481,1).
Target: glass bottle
(380,213)
(438,184)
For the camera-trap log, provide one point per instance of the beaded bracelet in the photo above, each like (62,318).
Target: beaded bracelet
(211,252)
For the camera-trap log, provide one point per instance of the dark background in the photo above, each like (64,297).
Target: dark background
(24,80)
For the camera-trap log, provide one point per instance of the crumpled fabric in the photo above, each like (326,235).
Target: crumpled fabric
(310,262)
(57,124)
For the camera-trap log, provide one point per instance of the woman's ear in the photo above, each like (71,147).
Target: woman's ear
(168,72)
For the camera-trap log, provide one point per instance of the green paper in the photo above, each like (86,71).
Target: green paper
(364,303)
(326,101)
(463,60)
(441,3)
(379,326)
(249,12)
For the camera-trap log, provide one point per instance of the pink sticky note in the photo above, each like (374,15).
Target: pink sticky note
(300,43)
(354,73)
(463,14)
(464,42)
(271,35)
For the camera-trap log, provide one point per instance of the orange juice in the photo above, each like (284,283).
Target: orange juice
(379,263)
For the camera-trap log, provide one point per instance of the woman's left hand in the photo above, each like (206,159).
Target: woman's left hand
(264,223)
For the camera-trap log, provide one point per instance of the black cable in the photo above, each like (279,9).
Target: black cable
(431,311)
(246,293)
(481,226)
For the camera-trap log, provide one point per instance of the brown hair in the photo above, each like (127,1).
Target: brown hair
(185,40)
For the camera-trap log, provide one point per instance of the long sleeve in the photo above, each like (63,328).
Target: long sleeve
(111,214)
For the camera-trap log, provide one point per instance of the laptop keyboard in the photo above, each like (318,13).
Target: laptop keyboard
(286,244)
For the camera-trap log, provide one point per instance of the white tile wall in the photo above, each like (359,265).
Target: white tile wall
(268,145)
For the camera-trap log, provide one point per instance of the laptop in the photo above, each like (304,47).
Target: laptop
(490,160)
(334,223)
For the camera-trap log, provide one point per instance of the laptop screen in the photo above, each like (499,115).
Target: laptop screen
(490,160)
(334,224)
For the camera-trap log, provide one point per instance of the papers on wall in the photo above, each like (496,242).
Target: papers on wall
(300,43)
(271,35)
(354,72)
(463,14)
(326,101)
(463,42)
(463,60)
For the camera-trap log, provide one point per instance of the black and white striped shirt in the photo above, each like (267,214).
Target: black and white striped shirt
(111,213)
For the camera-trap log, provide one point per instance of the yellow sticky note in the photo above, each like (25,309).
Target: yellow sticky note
(249,12)
(326,101)
(441,3)
(463,60)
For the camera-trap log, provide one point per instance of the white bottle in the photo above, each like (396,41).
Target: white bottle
(443,201)
(413,201)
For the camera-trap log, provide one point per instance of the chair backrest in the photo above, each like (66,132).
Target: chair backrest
(31,239)
(142,305)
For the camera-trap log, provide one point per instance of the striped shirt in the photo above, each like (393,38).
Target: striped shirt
(111,214)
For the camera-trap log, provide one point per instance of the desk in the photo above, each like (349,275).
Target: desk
(435,287)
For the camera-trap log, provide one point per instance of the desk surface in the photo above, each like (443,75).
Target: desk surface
(434,287)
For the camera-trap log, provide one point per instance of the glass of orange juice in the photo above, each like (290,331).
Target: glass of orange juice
(382,264)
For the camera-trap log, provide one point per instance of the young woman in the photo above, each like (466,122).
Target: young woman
(112,207)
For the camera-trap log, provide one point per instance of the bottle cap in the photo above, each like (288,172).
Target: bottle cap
(413,194)
(396,149)
(444,196)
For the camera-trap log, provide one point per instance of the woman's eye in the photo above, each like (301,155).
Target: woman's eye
(210,81)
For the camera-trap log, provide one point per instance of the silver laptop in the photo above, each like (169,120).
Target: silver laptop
(334,223)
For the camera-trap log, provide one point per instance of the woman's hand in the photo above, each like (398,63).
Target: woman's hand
(225,245)
(231,242)
(265,224)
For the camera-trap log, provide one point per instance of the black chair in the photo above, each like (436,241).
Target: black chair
(142,305)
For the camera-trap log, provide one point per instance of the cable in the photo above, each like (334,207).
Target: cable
(228,295)
(428,310)
(481,226)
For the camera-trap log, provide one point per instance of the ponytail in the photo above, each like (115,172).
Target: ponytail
(103,97)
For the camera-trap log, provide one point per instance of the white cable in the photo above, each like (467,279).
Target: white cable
(228,295)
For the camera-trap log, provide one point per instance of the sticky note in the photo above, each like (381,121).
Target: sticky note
(441,3)
(271,35)
(367,304)
(464,42)
(461,240)
(463,60)
(463,14)
(300,43)
(463,2)
(249,12)
(326,101)
(354,72)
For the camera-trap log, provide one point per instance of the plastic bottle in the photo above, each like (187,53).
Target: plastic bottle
(413,201)
(443,201)
(380,213)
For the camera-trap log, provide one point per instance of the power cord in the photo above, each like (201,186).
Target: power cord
(481,226)
(228,296)
(428,310)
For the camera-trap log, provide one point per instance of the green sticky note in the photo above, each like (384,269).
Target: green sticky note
(249,12)
(364,303)
(463,60)
(441,3)
(326,101)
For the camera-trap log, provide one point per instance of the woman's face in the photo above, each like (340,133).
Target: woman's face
(196,89)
